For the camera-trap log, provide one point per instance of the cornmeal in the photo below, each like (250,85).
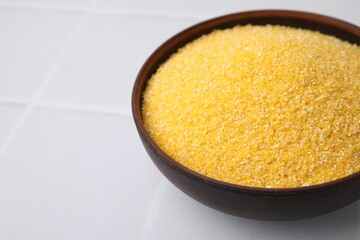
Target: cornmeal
(262,106)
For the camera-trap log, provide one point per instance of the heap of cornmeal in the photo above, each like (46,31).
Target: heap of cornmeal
(264,106)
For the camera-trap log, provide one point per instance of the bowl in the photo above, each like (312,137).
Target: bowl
(244,201)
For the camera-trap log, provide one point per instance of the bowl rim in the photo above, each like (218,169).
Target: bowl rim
(141,79)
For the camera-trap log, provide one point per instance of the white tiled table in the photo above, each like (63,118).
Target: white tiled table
(71,163)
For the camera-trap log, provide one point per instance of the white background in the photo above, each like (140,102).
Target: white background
(71,163)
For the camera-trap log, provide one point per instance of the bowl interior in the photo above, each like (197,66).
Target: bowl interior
(323,24)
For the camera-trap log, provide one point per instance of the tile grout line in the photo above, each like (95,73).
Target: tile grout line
(153,209)
(82,109)
(44,84)
(64,107)
(10,101)
(46,7)
(59,59)
(108,10)
(152,13)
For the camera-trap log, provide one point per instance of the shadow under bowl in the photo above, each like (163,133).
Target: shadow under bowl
(243,201)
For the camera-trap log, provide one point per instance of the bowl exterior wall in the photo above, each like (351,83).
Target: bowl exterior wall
(264,204)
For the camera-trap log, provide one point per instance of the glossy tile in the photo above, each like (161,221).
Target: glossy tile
(10,113)
(187,8)
(50,3)
(29,44)
(104,61)
(71,175)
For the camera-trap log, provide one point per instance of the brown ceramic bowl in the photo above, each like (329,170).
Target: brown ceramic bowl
(249,202)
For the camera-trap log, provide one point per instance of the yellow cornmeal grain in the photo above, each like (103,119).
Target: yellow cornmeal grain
(264,106)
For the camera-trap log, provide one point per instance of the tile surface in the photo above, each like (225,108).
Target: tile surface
(102,65)
(177,8)
(346,9)
(53,3)
(71,163)
(10,114)
(76,177)
(29,44)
